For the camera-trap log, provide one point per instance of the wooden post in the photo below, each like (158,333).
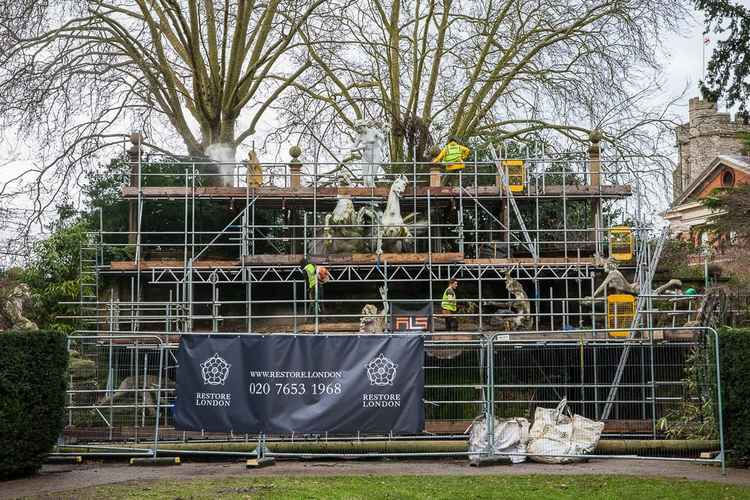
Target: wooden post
(435,168)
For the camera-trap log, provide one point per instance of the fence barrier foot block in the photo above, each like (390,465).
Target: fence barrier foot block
(255,463)
(77,459)
(156,461)
(484,461)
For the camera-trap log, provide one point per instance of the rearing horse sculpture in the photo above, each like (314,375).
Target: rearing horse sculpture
(392,230)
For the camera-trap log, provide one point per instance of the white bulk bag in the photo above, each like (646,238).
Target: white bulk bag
(555,433)
(510,437)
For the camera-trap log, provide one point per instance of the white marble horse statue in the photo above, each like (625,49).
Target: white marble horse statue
(392,230)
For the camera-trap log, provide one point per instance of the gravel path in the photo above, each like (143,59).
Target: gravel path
(59,478)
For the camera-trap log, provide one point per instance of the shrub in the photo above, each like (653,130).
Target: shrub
(33,382)
(734,347)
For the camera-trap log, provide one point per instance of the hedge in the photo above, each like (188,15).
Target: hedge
(33,382)
(734,348)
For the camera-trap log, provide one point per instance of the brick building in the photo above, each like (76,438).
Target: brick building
(707,135)
(688,219)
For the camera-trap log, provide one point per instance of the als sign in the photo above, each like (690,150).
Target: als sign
(305,384)
(411,320)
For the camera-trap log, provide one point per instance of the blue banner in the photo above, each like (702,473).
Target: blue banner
(277,384)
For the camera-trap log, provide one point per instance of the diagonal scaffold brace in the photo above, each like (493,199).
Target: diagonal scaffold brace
(646,275)
(530,246)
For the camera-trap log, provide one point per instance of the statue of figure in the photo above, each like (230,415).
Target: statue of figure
(616,280)
(367,151)
(520,307)
(13,296)
(373,321)
(254,170)
(392,230)
(345,227)
(149,385)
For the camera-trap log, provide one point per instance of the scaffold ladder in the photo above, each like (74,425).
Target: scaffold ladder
(647,276)
(89,277)
(512,202)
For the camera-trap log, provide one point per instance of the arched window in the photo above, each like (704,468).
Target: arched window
(727,179)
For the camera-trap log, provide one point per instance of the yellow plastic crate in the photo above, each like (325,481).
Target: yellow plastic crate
(620,313)
(621,243)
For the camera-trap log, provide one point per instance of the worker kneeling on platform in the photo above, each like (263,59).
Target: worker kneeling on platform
(449,306)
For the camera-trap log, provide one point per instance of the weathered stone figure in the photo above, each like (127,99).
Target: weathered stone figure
(345,228)
(520,308)
(373,321)
(149,387)
(616,280)
(13,296)
(254,170)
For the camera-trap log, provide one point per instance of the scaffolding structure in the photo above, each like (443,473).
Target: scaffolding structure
(213,248)
(244,274)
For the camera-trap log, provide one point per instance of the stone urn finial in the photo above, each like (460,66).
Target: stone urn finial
(295,152)
(595,136)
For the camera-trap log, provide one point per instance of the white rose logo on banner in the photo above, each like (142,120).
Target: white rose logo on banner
(381,371)
(215,370)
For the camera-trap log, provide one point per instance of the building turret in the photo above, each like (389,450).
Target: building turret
(706,135)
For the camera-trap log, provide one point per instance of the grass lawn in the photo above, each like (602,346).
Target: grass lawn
(428,487)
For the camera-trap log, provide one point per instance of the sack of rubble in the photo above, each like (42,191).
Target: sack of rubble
(556,432)
(510,437)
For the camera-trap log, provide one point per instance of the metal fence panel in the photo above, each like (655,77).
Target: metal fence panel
(666,405)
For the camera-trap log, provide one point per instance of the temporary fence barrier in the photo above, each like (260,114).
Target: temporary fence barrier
(667,403)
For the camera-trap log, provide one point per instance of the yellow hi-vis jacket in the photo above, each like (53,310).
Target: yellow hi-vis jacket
(453,156)
(312,276)
(449,300)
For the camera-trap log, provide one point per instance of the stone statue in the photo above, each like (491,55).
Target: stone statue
(392,230)
(149,385)
(616,280)
(520,308)
(254,170)
(373,321)
(367,151)
(345,228)
(13,296)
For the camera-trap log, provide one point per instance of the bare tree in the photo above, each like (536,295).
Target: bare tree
(77,76)
(500,69)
